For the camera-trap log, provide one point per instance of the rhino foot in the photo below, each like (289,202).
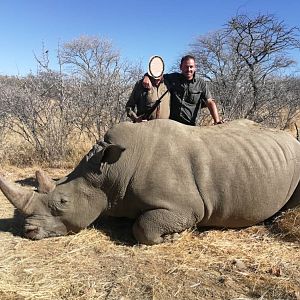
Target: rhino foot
(159,225)
(146,237)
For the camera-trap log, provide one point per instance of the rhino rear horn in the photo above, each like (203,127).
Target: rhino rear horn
(45,183)
(18,196)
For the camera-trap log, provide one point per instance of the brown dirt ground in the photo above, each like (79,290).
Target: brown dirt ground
(104,262)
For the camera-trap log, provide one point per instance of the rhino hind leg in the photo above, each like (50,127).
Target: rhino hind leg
(151,227)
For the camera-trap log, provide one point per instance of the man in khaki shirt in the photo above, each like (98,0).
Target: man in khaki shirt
(141,99)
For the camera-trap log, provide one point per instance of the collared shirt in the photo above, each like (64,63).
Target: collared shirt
(141,99)
(187,97)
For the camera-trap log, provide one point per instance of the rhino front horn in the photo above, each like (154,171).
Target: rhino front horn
(18,196)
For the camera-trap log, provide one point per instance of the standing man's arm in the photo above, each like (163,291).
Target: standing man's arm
(212,107)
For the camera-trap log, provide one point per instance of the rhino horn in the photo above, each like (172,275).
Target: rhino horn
(18,196)
(46,184)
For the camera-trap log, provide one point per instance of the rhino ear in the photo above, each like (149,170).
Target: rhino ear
(112,153)
(105,152)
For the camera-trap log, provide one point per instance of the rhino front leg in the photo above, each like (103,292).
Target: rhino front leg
(151,226)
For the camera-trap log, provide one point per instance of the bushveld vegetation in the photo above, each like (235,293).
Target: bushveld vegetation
(54,116)
(247,63)
(52,110)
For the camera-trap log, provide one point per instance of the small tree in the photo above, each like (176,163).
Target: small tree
(261,45)
(105,81)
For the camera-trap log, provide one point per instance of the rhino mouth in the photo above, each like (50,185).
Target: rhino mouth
(37,233)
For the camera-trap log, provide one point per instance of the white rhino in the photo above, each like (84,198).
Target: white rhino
(168,177)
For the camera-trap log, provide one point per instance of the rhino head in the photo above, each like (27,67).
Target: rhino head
(68,205)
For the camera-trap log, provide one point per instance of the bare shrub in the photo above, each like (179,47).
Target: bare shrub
(40,120)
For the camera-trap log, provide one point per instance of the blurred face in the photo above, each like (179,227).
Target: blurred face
(188,68)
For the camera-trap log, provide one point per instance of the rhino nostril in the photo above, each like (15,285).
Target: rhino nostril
(31,232)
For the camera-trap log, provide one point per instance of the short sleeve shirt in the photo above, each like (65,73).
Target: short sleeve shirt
(187,97)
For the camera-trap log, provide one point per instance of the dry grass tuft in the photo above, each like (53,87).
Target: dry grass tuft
(288,225)
(104,261)
(15,151)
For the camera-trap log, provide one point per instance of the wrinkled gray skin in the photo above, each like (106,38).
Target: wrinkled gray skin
(169,177)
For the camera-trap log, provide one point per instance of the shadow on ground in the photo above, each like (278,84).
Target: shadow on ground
(30,181)
(118,229)
(14,225)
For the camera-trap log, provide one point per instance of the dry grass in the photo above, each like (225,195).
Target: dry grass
(104,262)
(288,224)
(15,151)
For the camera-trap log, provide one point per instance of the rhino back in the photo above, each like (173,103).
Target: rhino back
(232,175)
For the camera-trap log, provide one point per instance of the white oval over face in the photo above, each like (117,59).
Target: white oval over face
(156,67)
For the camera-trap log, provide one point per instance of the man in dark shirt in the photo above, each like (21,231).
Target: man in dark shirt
(188,93)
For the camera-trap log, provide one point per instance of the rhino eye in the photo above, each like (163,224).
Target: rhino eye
(59,206)
(63,201)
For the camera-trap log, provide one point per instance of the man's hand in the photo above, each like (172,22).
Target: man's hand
(219,122)
(139,119)
(147,83)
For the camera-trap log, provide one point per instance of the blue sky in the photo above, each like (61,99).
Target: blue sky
(137,28)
